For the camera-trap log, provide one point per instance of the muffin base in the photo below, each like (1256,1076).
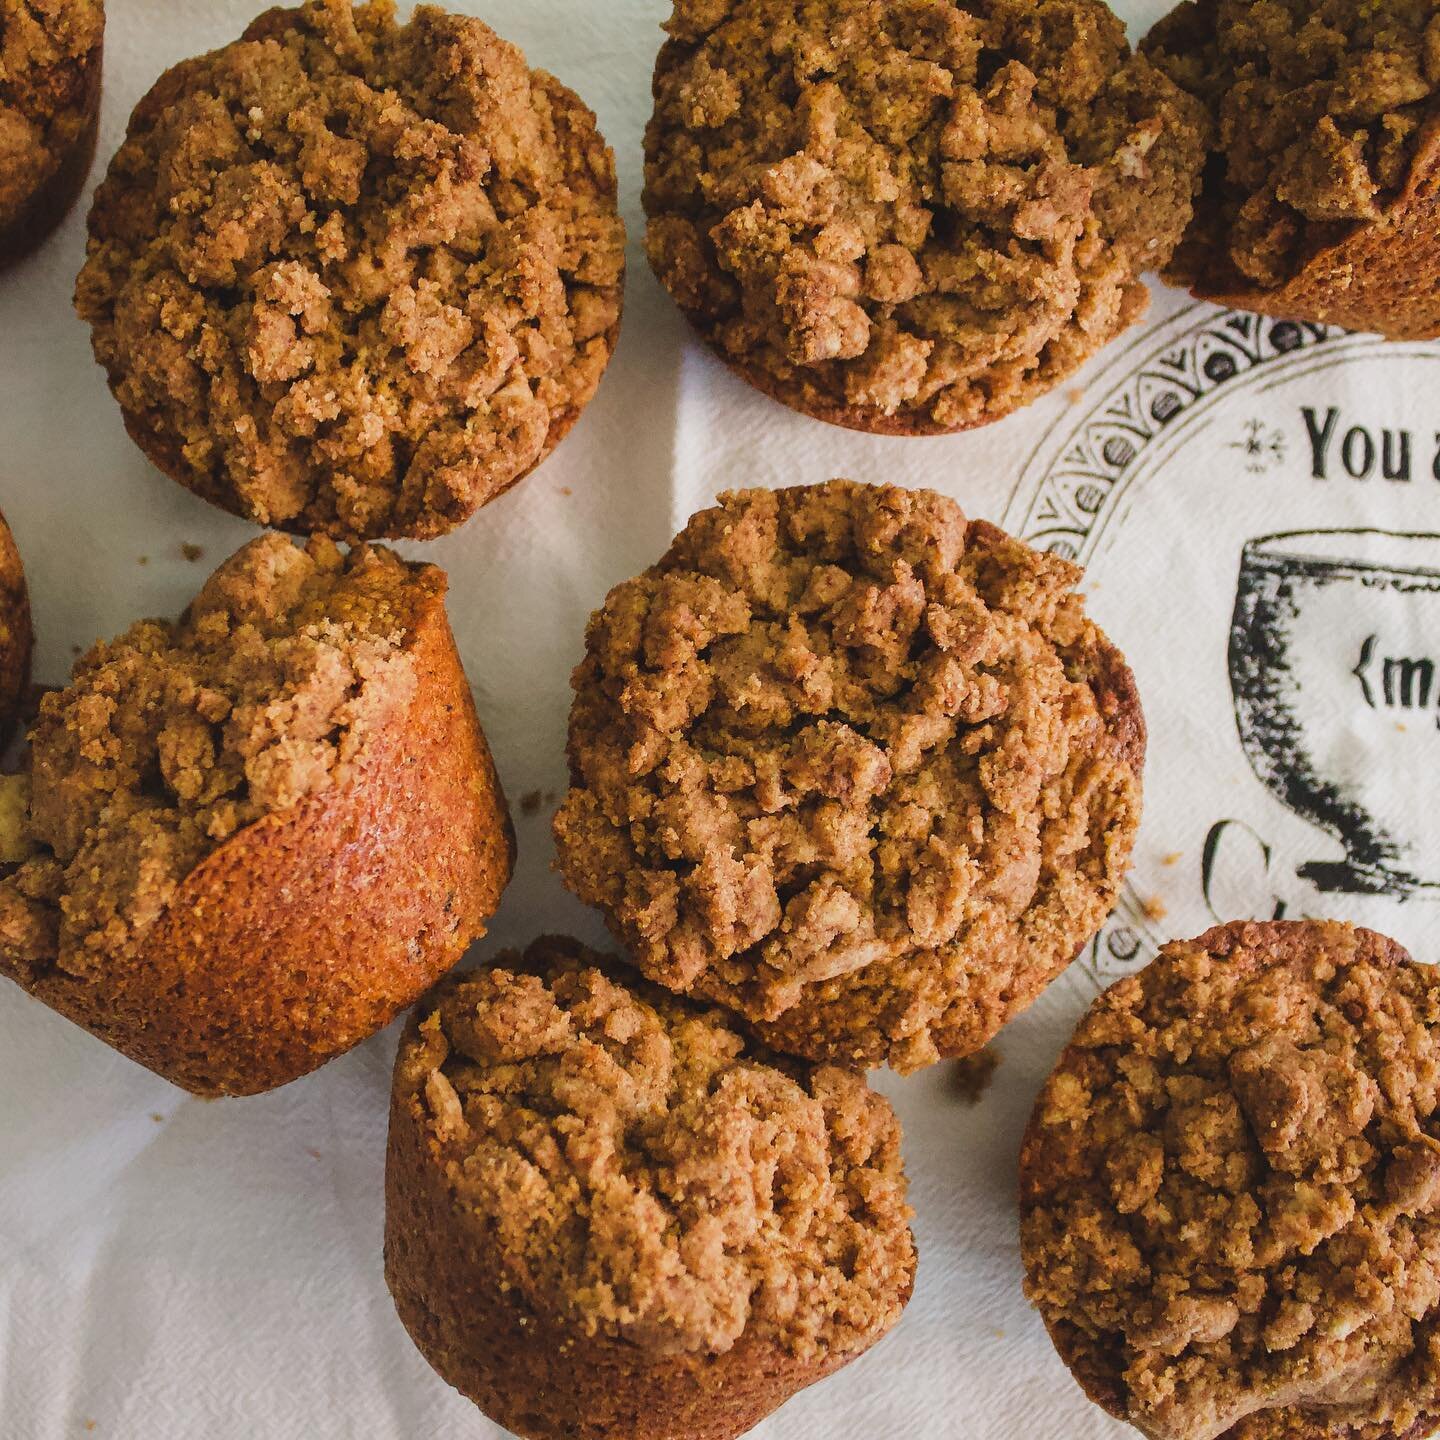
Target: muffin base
(313,928)
(523,1371)
(27,229)
(1383,279)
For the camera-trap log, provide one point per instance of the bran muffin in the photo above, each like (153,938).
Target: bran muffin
(610,1217)
(355,278)
(911,218)
(1229,1190)
(16,637)
(248,839)
(51,57)
(854,767)
(1320,196)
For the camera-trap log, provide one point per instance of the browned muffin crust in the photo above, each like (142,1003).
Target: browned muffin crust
(1319,200)
(251,837)
(858,769)
(16,636)
(50,67)
(911,218)
(1229,1190)
(355,278)
(611,1217)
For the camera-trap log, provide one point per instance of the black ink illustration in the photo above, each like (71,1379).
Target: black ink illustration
(1080,488)
(1335,673)
(1262,445)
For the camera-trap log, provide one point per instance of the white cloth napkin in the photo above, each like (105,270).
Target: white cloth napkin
(172,1269)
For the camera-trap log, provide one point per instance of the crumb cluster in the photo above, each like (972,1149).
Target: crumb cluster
(648,1175)
(856,768)
(172,738)
(355,278)
(1318,110)
(916,216)
(1230,1189)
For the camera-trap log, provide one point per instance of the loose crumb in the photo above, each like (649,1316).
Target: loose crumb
(192,552)
(970,1078)
(1154,908)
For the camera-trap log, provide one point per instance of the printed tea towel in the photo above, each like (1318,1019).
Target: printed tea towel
(1257,504)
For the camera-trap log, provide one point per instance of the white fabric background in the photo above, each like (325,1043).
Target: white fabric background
(171,1268)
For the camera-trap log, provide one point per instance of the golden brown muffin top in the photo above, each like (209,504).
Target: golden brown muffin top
(1318,108)
(47,48)
(841,749)
(172,738)
(923,213)
(644,1172)
(353,277)
(1229,1190)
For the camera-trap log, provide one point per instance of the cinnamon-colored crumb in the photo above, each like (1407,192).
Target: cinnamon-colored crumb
(48,50)
(912,217)
(1318,108)
(647,1174)
(353,277)
(172,738)
(854,767)
(1229,1190)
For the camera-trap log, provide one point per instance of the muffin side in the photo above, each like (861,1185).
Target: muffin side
(355,278)
(1228,1188)
(51,59)
(911,219)
(16,634)
(1320,195)
(854,767)
(666,1230)
(257,834)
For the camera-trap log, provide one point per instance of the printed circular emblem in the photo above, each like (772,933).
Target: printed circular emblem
(1257,503)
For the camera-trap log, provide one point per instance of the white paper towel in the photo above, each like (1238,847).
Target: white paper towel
(171,1269)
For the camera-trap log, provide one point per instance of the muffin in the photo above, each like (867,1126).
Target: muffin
(353,278)
(50,64)
(16,638)
(1319,201)
(856,768)
(248,839)
(610,1217)
(911,218)
(1229,1190)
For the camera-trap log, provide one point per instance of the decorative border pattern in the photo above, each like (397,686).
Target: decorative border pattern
(1075,490)
(1082,484)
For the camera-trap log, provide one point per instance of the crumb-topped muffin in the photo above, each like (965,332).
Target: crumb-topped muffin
(911,218)
(250,838)
(16,635)
(50,68)
(610,1217)
(1229,1190)
(854,767)
(1319,201)
(355,278)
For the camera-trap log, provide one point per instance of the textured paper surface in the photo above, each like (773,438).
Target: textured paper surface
(170,1268)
